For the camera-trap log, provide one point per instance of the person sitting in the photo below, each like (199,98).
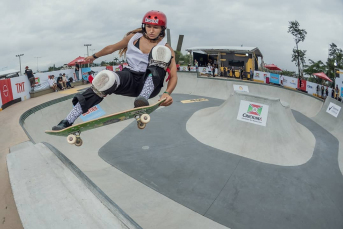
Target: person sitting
(60,83)
(68,83)
(52,83)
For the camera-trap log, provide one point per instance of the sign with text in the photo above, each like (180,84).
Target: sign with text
(241,88)
(333,109)
(274,78)
(6,91)
(252,112)
(93,113)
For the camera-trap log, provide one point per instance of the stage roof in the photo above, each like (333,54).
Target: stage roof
(226,49)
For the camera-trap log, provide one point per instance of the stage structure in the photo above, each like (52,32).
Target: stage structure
(227,56)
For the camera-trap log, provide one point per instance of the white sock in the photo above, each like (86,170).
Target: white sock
(74,113)
(148,87)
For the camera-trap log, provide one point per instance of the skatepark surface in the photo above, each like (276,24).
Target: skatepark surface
(195,165)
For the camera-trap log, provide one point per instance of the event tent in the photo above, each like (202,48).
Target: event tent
(322,76)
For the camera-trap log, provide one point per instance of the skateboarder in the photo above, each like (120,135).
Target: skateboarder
(148,56)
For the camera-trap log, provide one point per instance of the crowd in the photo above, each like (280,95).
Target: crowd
(61,83)
(323,92)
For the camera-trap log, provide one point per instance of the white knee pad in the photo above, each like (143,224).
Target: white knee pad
(105,79)
(160,56)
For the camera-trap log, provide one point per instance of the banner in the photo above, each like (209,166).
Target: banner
(311,88)
(258,76)
(302,86)
(290,82)
(93,113)
(241,88)
(6,91)
(85,73)
(274,78)
(251,112)
(333,109)
(109,68)
(21,87)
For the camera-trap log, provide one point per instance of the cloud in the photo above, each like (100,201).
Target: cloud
(57,31)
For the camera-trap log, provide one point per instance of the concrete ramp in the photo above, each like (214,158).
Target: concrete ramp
(284,141)
(327,116)
(49,195)
(189,83)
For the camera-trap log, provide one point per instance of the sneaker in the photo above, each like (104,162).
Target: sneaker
(140,101)
(62,125)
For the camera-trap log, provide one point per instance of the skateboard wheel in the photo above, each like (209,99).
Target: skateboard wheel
(79,142)
(141,125)
(145,118)
(71,139)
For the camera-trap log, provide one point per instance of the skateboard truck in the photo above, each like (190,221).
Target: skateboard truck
(74,138)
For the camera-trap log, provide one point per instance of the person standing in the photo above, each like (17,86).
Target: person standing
(233,72)
(30,76)
(326,92)
(209,69)
(322,89)
(213,70)
(252,74)
(196,64)
(77,69)
(336,92)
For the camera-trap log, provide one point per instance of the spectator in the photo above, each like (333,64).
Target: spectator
(317,89)
(68,83)
(209,69)
(189,67)
(233,72)
(322,89)
(52,83)
(60,83)
(213,70)
(64,80)
(336,92)
(326,92)
(178,67)
(196,64)
(241,73)
(29,74)
(225,72)
(121,67)
(332,92)
(252,74)
(77,68)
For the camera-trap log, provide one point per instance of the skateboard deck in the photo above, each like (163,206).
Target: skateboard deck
(141,114)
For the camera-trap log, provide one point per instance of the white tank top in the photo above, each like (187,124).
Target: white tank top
(137,60)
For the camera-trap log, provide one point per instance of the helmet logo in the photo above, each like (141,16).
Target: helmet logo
(151,20)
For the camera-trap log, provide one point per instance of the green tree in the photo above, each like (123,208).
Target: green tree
(298,56)
(288,73)
(335,56)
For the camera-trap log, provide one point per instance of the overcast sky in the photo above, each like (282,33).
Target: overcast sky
(56,31)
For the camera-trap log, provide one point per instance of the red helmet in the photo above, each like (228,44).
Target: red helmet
(154,17)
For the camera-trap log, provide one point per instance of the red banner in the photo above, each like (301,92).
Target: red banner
(6,91)
(303,85)
(109,68)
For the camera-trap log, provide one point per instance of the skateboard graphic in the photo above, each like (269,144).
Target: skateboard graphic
(141,114)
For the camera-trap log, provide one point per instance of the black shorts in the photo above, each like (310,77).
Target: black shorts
(131,84)
(32,81)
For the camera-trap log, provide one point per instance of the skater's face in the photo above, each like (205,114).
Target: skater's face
(153,31)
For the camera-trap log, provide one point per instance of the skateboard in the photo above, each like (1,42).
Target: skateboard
(141,114)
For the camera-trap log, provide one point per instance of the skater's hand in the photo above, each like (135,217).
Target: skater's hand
(169,100)
(89,58)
